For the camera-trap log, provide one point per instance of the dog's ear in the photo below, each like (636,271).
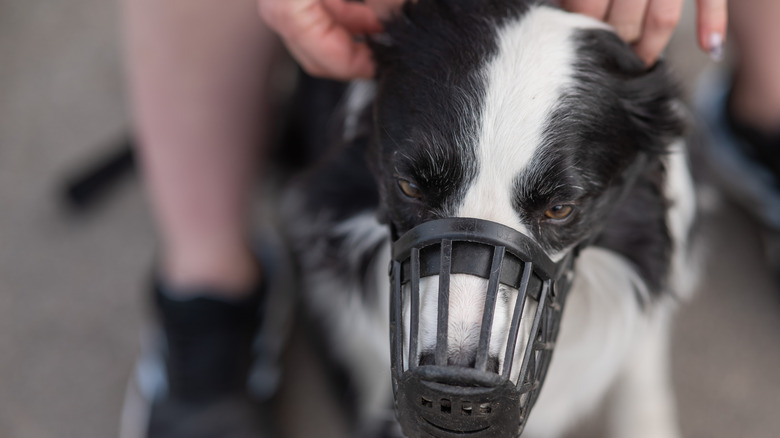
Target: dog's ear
(652,102)
(400,28)
(648,97)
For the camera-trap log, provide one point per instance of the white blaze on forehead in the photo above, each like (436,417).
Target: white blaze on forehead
(524,83)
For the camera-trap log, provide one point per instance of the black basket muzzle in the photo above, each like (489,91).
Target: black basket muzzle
(442,400)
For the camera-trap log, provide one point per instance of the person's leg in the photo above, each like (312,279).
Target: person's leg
(197,72)
(756,95)
(740,115)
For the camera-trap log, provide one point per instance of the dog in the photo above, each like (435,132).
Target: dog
(516,113)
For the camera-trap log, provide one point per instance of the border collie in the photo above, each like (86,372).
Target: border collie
(521,114)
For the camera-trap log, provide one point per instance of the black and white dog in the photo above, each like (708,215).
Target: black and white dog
(518,113)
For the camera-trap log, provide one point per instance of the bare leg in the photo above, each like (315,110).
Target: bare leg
(754,28)
(197,72)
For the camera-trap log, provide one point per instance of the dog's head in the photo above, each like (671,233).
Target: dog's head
(515,113)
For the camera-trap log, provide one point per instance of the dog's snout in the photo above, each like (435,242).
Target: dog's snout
(461,359)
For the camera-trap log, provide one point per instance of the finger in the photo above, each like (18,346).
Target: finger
(386,9)
(627,17)
(356,18)
(712,18)
(661,20)
(321,45)
(592,8)
(333,58)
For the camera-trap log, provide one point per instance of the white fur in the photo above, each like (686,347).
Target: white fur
(525,81)
(337,302)
(359,95)
(601,320)
(643,404)
(680,192)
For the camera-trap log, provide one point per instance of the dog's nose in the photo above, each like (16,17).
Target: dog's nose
(427,359)
(460,359)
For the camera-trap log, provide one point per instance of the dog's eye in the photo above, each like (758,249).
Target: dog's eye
(409,189)
(559,211)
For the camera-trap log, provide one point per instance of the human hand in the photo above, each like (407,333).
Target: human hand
(320,34)
(648,24)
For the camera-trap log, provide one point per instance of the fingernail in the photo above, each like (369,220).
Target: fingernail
(716,46)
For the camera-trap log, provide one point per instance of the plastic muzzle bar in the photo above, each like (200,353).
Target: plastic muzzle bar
(442,400)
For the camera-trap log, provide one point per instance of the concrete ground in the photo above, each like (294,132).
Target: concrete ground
(70,286)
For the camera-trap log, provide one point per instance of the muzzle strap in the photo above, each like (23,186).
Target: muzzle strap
(530,379)
(415,317)
(515,325)
(490,309)
(440,356)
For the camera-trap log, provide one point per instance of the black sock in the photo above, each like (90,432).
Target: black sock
(209,340)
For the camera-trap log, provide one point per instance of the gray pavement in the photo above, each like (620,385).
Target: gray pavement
(71,305)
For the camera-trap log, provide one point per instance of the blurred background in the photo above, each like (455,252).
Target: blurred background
(71,286)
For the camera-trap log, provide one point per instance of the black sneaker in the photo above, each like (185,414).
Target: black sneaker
(211,365)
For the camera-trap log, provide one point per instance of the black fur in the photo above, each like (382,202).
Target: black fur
(637,229)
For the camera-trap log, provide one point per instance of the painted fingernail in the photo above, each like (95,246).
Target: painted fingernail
(716,46)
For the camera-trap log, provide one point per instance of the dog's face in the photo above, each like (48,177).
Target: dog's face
(514,113)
